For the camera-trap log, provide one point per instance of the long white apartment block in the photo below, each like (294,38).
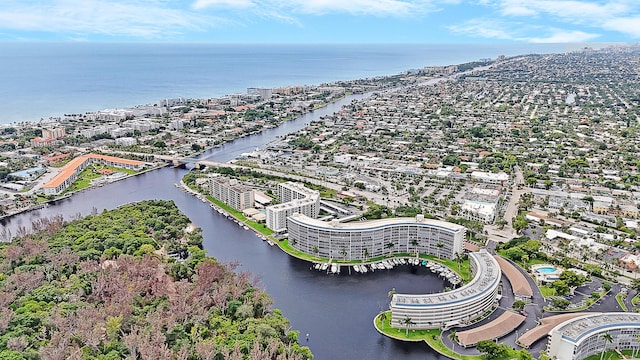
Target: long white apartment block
(232,193)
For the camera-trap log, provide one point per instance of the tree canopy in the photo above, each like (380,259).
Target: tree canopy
(98,288)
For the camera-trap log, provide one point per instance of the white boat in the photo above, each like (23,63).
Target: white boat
(317,266)
(403,261)
(324,266)
(373,267)
(334,268)
(363,268)
(356,268)
(245,227)
(271,243)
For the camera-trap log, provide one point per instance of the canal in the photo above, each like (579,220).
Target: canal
(335,310)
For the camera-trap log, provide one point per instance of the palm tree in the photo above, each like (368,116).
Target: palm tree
(383,318)
(439,245)
(391,293)
(458,259)
(607,339)
(453,336)
(414,243)
(389,245)
(407,321)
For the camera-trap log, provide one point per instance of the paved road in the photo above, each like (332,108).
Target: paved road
(507,233)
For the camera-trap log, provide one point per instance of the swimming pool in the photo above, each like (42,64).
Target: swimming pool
(546,270)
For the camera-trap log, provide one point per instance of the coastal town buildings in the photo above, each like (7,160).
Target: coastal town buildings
(540,146)
(69,173)
(232,193)
(362,240)
(293,198)
(582,337)
(452,308)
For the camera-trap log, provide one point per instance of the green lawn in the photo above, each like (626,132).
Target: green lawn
(238,215)
(432,337)
(610,355)
(91,173)
(465,266)
(547,291)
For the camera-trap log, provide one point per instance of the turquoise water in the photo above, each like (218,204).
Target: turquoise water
(546,270)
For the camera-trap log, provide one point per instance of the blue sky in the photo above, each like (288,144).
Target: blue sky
(321,21)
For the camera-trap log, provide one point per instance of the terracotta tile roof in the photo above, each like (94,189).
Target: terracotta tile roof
(70,168)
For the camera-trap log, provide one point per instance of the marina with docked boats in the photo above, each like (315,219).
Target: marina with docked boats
(335,268)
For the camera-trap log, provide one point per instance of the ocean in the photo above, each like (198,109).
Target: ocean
(42,80)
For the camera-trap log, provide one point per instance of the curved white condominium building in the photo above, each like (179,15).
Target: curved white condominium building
(584,336)
(369,239)
(458,306)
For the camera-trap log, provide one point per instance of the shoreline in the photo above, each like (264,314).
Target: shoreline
(47,203)
(380,88)
(190,155)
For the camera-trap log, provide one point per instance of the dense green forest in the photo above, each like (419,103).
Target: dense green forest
(102,288)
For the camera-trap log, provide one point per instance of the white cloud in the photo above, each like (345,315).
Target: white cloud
(622,16)
(516,31)
(375,7)
(571,10)
(80,18)
(516,10)
(483,28)
(239,4)
(561,36)
(322,7)
(626,25)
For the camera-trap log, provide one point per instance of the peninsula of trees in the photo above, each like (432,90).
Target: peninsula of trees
(103,287)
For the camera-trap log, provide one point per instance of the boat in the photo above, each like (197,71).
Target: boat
(324,266)
(356,268)
(245,227)
(271,243)
(334,268)
(363,268)
(317,266)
